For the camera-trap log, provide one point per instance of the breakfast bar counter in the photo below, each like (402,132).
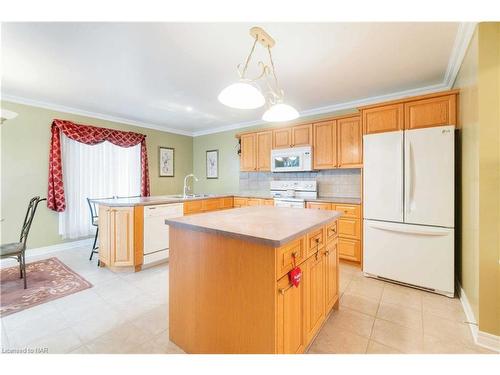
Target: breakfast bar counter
(251,280)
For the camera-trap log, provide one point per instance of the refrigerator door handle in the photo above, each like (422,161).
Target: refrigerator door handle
(409,202)
(424,231)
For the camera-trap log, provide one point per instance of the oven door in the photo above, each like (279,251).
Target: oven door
(287,161)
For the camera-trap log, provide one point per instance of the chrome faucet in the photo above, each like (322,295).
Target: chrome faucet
(186,187)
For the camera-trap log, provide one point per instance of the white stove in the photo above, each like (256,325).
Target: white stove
(293,193)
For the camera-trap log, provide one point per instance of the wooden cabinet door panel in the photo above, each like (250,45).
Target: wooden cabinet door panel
(325,145)
(314,282)
(382,119)
(290,317)
(282,138)
(349,249)
(105,234)
(350,228)
(331,274)
(248,157)
(123,242)
(302,135)
(240,202)
(210,204)
(264,146)
(192,207)
(319,205)
(350,142)
(254,202)
(431,112)
(268,202)
(226,202)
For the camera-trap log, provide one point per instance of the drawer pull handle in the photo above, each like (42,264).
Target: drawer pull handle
(283,290)
(327,252)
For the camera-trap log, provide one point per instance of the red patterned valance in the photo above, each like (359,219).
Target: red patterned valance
(89,135)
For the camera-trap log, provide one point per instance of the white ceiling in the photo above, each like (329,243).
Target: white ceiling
(150,73)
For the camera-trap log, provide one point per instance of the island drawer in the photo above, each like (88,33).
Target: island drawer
(331,231)
(286,253)
(349,210)
(315,241)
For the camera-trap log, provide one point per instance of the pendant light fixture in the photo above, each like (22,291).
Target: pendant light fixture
(245,94)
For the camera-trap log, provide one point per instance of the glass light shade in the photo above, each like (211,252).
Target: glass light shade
(241,95)
(280,112)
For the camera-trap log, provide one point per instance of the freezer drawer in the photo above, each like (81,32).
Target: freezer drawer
(412,254)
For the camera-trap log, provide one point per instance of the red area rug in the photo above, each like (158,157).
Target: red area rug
(48,279)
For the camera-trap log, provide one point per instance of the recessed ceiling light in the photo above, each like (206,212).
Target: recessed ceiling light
(189,109)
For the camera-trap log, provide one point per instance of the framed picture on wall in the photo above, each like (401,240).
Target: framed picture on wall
(166,162)
(212,164)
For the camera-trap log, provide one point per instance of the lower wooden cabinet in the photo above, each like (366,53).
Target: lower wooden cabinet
(350,249)
(315,301)
(116,237)
(349,227)
(331,274)
(290,329)
(302,310)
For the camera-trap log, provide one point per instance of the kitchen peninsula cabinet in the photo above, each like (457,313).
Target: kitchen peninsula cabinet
(229,285)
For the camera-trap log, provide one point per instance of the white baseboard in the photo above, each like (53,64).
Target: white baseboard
(484,339)
(46,250)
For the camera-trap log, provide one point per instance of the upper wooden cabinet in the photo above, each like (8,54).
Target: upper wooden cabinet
(424,111)
(302,135)
(296,136)
(248,158)
(431,112)
(325,145)
(350,142)
(264,146)
(387,118)
(282,138)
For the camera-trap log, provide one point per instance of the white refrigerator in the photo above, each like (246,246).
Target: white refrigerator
(408,198)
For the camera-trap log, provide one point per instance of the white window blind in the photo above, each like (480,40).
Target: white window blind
(99,171)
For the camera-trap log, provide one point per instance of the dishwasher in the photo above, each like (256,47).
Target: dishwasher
(156,236)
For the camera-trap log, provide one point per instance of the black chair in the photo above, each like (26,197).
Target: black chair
(94,219)
(17,250)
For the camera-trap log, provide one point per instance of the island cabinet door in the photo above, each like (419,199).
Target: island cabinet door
(122,243)
(290,322)
(331,274)
(314,284)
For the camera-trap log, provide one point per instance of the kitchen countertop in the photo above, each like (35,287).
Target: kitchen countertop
(166,199)
(272,226)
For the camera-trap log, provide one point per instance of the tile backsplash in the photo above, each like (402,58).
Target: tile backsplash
(331,182)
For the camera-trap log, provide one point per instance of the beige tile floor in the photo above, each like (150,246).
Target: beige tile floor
(128,313)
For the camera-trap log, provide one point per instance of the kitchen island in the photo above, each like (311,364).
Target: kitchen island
(229,288)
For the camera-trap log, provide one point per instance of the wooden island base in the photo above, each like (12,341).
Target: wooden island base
(232,295)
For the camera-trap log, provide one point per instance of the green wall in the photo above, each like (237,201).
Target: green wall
(229,161)
(24,167)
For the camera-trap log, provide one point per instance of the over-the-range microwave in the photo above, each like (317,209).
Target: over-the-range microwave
(297,159)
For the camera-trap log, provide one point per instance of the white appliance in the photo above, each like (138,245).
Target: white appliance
(297,159)
(408,185)
(156,232)
(293,193)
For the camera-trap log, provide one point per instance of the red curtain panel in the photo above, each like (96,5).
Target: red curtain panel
(89,135)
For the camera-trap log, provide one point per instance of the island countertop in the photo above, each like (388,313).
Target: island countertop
(273,226)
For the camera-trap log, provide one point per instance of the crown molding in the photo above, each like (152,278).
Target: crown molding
(97,115)
(462,41)
(334,108)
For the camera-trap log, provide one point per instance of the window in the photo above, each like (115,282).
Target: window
(99,171)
